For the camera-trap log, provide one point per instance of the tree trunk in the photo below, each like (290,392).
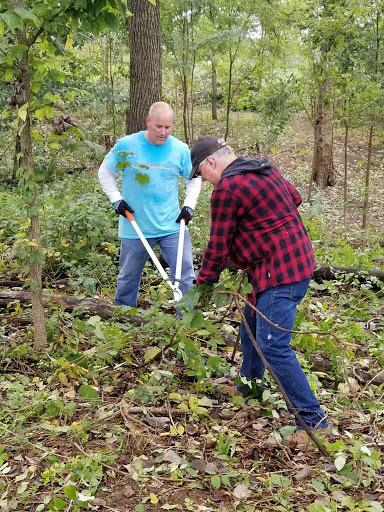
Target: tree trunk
(184,85)
(367,179)
(370,140)
(229,98)
(345,184)
(145,63)
(214,91)
(322,163)
(16,156)
(111,85)
(191,92)
(31,192)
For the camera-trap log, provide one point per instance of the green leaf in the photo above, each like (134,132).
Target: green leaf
(177,397)
(70,492)
(46,112)
(216,481)
(70,40)
(12,20)
(18,50)
(153,2)
(142,178)
(57,74)
(340,462)
(123,165)
(23,111)
(89,392)
(318,485)
(151,353)
(194,320)
(27,14)
(59,504)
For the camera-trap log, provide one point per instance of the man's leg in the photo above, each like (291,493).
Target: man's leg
(279,304)
(168,245)
(133,256)
(252,367)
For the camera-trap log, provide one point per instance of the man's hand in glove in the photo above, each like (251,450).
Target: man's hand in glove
(121,207)
(186,214)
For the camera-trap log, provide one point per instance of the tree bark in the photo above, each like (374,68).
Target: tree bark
(16,157)
(345,184)
(322,163)
(92,305)
(214,91)
(145,63)
(367,179)
(184,85)
(370,139)
(30,190)
(229,98)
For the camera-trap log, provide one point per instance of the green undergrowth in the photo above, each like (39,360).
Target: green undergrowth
(79,236)
(137,412)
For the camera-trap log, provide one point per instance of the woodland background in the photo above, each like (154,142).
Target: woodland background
(107,409)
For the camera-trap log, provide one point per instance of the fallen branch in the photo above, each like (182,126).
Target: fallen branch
(322,273)
(93,305)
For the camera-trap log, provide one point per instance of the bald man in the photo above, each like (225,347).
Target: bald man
(151,162)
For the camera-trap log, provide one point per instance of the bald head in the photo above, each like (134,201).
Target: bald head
(159,122)
(160,107)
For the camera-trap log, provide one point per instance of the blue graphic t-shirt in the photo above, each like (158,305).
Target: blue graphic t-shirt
(150,182)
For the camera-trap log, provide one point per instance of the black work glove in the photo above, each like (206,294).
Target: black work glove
(186,214)
(122,207)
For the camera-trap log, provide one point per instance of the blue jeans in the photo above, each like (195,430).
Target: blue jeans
(279,304)
(133,256)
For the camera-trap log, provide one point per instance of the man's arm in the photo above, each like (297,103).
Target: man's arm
(107,179)
(294,193)
(223,226)
(192,192)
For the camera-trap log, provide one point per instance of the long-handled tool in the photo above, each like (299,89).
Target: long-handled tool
(177,295)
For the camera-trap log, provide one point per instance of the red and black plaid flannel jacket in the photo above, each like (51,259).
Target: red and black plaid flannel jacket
(255,223)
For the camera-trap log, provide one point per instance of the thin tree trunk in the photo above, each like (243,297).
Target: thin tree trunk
(16,156)
(112,89)
(184,85)
(345,184)
(367,179)
(184,79)
(370,139)
(145,63)
(229,98)
(105,53)
(214,91)
(191,96)
(31,190)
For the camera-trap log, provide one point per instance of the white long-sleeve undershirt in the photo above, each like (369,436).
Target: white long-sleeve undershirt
(108,184)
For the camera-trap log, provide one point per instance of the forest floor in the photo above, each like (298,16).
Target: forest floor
(127,417)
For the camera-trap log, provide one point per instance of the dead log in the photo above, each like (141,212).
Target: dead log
(320,274)
(10,283)
(93,305)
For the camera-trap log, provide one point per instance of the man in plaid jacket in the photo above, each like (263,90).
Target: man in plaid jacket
(255,223)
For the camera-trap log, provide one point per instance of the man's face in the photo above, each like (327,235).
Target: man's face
(210,170)
(159,126)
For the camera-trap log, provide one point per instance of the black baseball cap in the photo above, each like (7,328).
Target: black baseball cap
(203,147)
